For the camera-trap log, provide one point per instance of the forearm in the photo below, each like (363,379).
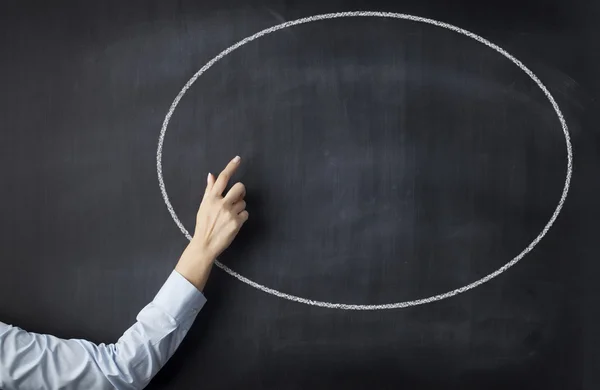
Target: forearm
(33,361)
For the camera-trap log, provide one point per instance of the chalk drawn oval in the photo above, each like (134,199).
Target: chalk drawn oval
(394,305)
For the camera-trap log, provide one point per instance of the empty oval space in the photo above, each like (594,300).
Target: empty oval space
(385,160)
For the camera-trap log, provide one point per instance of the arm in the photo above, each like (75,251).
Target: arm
(34,361)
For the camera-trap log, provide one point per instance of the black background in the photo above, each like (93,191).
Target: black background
(385,161)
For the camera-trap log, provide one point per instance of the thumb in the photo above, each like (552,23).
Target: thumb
(210,181)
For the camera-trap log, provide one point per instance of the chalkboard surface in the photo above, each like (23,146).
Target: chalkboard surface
(385,161)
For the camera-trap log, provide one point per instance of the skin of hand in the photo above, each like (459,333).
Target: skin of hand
(218,221)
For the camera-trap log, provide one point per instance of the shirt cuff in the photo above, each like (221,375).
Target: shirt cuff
(179,298)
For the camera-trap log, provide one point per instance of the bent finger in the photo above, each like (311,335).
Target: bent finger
(237,192)
(238,207)
(243,216)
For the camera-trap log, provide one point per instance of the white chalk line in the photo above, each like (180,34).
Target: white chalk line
(395,305)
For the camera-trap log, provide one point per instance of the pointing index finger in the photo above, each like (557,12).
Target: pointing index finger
(225,175)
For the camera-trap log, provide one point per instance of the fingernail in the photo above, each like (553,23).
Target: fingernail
(208,177)
(236,159)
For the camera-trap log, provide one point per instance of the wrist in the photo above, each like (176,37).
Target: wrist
(198,252)
(195,264)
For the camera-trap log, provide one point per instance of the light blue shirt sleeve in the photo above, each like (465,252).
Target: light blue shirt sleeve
(39,361)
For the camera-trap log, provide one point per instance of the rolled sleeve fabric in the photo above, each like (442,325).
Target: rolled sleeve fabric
(39,361)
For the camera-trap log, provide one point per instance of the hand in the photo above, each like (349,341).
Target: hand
(218,221)
(220,218)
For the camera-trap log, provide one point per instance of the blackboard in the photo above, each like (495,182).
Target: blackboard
(386,160)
